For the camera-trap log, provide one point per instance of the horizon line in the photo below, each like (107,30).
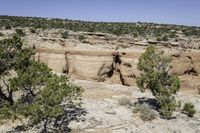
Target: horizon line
(93,21)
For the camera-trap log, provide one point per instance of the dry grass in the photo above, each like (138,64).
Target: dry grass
(124,100)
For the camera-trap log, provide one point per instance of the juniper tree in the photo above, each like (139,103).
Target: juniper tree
(28,89)
(155,76)
(64,34)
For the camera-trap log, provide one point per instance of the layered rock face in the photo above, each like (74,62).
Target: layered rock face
(98,66)
(88,56)
(91,65)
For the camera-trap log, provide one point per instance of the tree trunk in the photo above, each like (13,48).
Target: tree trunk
(7,98)
(45,126)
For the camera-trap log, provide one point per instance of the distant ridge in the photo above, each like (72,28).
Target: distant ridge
(117,28)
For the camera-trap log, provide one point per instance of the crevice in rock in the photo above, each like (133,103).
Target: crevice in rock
(66,67)
(190,58)
(105,72)
(122,79)
(191,72)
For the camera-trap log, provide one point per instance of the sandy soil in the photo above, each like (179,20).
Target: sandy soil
(105,115)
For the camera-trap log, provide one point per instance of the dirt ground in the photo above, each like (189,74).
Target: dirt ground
(105,115)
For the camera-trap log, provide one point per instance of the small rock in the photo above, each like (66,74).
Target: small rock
(90,130)
(111,112)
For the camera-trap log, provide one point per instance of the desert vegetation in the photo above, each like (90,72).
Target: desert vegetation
(145,111)
(30,90)
(32,30)
(20,32)
(125,101)
(35,98)
(135,29)
(189,109)
(64,34)
(155,67)
(1,34)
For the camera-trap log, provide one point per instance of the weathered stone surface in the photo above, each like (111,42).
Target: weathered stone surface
(175,44)
(196,62)
(153,42)
(56,62)
(86,67)
(105,71)
(181,65)
(141,43)
(190,84)
(98,66)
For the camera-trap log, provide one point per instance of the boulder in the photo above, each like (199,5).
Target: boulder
(181,65)
(127,74)
(105,71)
(195,57)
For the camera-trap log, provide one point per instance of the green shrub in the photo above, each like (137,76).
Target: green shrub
(135,35)
(48,100)
(189,109)
(165,38)
(155,76)
(146,113)
(158,39)
(32,30)
(179,105)
(64,35)
(172,35)
(136,29)
(20,32)
(1,34)
(8,27)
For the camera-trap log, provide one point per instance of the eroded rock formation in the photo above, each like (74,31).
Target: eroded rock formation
(98,66)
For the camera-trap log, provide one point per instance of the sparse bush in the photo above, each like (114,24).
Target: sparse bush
(81,38)
(155,67)
(189,109)
(64,35)
(20,32)
(146,113)
(179,105)
(165,38)
(176,40)
(32,30)
(172,35)
(136,29)
(125,101)
(135,35)
(1,34)
(7,27)
(158,39)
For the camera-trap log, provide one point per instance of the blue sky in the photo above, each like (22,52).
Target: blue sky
(186,12)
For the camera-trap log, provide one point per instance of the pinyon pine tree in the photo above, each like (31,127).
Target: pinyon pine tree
(28,89)
(155,76)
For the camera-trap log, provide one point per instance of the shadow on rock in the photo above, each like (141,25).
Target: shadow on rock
(59,124)
(149,101)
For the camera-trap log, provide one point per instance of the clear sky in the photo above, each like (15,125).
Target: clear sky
(186,12)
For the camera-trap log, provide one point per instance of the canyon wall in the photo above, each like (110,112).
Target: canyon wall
(98,66)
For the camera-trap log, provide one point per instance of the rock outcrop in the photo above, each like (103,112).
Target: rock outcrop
(98,65)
